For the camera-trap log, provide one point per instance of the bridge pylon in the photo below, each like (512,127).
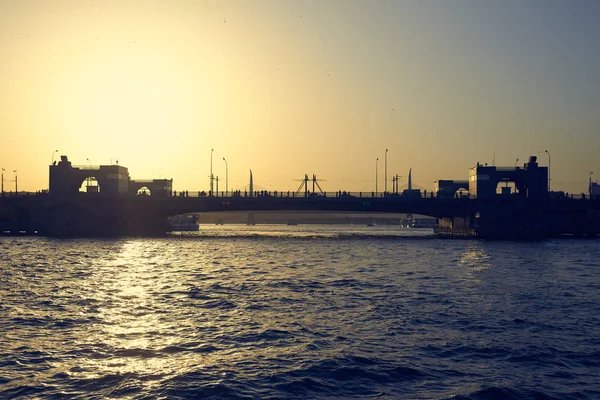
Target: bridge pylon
(304,184)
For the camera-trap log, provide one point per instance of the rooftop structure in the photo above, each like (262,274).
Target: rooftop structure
(594,190)
(448,188)
(530,181)
(113,180)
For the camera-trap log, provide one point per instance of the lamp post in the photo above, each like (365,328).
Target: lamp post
(376,173)
(385,173)
(211,172)
(547,152)
(53,153)
(226,177)
(3,181)
(89,178)
(16,183)
(516,161)
(590,185)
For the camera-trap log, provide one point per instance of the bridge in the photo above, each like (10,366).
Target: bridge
(121,205)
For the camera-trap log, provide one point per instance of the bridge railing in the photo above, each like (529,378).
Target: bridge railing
(292,194)
(23,193)
(341,194)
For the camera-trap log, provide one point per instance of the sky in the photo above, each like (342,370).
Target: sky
(288,88)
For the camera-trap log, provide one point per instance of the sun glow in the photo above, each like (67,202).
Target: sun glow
(289,88)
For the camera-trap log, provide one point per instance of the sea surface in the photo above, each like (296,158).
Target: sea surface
(307,312)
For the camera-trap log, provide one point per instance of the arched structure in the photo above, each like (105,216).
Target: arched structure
(66,179)
(144,191)
(156,187)
(448,188)
(90,185)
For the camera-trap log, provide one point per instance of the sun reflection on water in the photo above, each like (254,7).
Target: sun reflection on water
(474,259)
(145,325)
(130,332)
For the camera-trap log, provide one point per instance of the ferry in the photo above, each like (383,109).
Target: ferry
(186,222)
(423,223)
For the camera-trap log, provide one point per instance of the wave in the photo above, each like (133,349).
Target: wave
(342,377)
(508,393)
(286,236)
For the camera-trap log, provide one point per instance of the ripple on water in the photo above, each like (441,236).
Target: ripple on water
(246,313)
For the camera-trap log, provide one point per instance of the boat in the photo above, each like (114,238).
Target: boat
(420,223)
(184,223)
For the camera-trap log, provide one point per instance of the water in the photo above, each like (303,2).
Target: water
(299,312)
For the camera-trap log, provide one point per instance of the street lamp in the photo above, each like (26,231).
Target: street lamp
(385,180)
(89,178)
(516,161)
(548,169)
(211,172)
(226,177)
(16,183)
(590,186)
(3,181)
(53,153)
(376,172)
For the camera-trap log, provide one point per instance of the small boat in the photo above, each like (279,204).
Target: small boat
(184,223)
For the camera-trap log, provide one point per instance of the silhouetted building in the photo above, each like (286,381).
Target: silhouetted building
(446,188)
(65,179)
(151,187)
(530,181)
(594,190)
(112,180)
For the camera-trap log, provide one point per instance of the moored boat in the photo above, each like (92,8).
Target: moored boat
(183,223)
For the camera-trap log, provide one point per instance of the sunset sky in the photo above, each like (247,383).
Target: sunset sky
(292,87)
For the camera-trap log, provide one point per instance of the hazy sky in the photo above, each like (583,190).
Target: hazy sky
(293,87)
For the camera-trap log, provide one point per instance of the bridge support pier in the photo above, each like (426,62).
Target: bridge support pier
(105,218)
(491,221)
(456,227)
